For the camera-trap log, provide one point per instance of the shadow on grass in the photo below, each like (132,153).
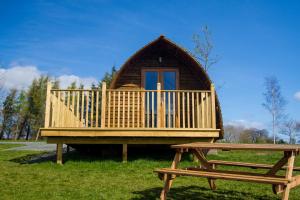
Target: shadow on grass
(199,193)
(104,153)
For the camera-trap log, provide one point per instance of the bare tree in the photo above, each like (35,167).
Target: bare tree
(291,129)
(274,102)
(203,48)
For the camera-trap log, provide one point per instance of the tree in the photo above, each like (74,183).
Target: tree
(274,102)
(9,111)
(203,48)
(108,77)
(290,128)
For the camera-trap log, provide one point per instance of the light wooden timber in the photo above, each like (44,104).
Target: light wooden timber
(222,175)
(124,153)
(122,140)
(59,152)
(48,104)
(129,132)
(227,146)
(249,165)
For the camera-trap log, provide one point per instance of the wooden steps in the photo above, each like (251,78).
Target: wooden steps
(250,165)
(259,178)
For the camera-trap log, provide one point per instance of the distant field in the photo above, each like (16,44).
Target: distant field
(104,177)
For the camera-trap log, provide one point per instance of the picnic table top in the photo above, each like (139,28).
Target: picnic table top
(229,146)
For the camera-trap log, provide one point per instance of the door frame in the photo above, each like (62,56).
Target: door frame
(160,77)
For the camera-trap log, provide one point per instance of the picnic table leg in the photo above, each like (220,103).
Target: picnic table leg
(169,178)
(202,158)
(289,175)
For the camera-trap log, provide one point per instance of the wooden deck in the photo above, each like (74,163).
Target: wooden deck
(129,116)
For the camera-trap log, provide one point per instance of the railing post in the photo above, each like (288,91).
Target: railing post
(48,103)
(213,106)
(158,109)
(103,104)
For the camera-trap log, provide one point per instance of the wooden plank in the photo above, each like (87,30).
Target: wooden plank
(97,108)
(226,176)
(202,110)
(103,104)
(158,105)
(246,164)
(143,109)
(82,105)
(148,110)
(169,109)
(138,109)
(152,109)
(123,110)
(288,175)
(48,104)
(114,110)
(59,152)
(193,110)
(119,104)
(183,109)
(127,132)
(213,106)
(87,109)
(188,109)
(228,146)
(178,110)
(92,109)
(124,153)
(108,112)
(128,110)
(77,108)
(174,110)
(198,110)
(133,108)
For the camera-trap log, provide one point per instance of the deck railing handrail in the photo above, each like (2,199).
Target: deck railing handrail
(130,108)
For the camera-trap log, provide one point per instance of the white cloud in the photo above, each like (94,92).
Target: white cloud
(246,124)
(297,96)
(21,76)
(18,77)
(66,80)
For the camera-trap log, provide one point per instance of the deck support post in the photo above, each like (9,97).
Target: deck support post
(124,153)
(59,152)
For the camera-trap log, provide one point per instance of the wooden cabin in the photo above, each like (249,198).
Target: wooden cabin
(161,95)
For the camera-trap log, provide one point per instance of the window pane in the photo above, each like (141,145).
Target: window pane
(169,80)
(151,79)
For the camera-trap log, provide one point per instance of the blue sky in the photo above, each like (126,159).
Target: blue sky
(84,39)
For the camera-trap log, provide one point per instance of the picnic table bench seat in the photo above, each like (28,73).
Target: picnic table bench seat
(218,174)
(245,164)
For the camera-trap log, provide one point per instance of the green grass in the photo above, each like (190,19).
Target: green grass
(106,177)
(7,146)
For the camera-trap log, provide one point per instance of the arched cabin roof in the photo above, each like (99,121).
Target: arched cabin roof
(164,47)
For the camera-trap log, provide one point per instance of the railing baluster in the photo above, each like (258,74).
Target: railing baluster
(178,109)
(193,110)
(198,111)
(174,110)
(188,109)
(82,107)
(183,109)
(138,109)
(114,109)
(77,109)
(123,109)
(109,105)
(119,96)
(152,110)
(128,110)
(97,108)
(92,108)
(169,110)
(202,109)
(148,110)
(87,109)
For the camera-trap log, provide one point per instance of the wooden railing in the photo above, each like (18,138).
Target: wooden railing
(134,108)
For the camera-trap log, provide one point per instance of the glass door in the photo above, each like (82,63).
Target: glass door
(168,80)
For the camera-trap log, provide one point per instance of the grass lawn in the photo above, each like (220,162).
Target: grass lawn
(105,177)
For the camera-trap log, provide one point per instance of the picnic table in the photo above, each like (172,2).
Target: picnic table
(208,168)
